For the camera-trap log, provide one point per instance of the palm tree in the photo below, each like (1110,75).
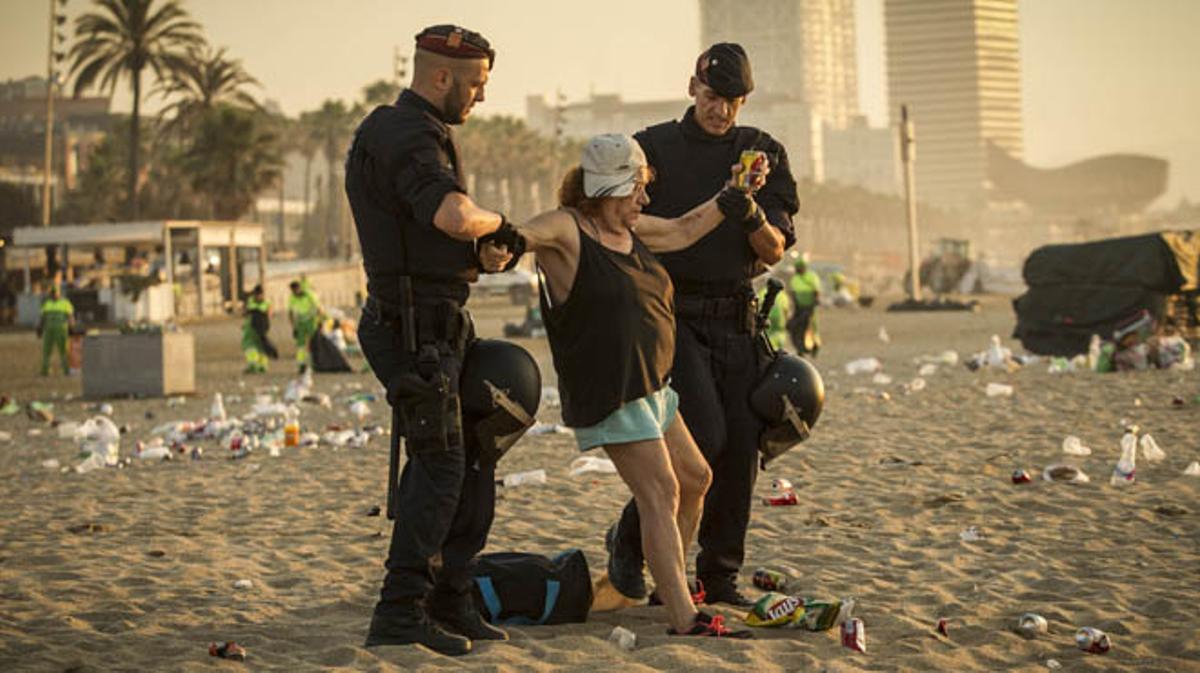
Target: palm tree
(205,79)
(123,39)
(233,157)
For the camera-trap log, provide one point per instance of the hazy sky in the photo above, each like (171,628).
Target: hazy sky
(1098,75)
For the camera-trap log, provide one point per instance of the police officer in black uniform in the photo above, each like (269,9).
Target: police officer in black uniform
(419,233)
(716,361)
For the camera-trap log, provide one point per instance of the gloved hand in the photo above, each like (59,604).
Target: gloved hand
(505,235)
(739,206)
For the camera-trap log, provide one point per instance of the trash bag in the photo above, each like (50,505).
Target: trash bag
(100,437)
(325,355)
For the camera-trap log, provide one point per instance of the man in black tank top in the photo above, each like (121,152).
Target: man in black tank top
(417,229)
(716,361)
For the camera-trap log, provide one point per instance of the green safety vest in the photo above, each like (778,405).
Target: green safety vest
(303,305)
(57,312)
(253,304)
(805,287)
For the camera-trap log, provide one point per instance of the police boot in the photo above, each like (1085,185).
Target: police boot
(409,625)
(456,612)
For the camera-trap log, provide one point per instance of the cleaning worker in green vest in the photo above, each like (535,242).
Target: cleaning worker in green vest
(777,319)
(256,343)
(304,312)
(54,326)
(805,289)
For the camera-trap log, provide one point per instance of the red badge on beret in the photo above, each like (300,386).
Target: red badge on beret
(456,42)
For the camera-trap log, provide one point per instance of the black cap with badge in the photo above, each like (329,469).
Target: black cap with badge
(726,69)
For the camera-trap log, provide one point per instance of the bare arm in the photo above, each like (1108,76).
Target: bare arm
(668,235)
(460,218)
(767,242)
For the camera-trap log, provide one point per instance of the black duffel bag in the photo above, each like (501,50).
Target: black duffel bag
(513,588)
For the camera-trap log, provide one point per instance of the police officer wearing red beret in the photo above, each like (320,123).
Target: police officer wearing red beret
(716,360)
(418,231)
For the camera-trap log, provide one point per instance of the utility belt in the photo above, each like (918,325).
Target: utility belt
(439,321)
(739,309)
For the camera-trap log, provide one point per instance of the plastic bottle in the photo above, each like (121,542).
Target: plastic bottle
(1126,468)
(530,477)
(217,412)
(291,428)
(1093,355)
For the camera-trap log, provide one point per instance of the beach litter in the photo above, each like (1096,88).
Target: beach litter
(550,397)
(881,379)
(1125,471)
(1151,451)
(854,635)
(242,585)
(863,366)
(228,650)
(589,464)
(549,429)
(1193,469)
(1072,446)
(884,336)
(1065,474)
(1092,640)
(927,369)
(942,627)
(999,390)
(970,534)
(623,638)
(778,610)
(1031,625)
(527,478)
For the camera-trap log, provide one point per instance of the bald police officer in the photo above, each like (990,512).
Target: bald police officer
(716,361)
(418,231)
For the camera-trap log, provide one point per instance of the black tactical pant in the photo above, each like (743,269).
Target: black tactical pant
(715,369)
(446,495)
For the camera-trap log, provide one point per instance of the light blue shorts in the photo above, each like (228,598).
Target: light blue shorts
(641,419)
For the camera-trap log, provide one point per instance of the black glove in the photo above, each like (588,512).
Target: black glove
(739,206)
(505,235)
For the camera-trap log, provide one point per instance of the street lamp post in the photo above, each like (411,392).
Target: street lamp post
(52,56)
(908,155)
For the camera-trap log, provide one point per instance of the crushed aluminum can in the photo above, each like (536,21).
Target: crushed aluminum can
(854,635)
(227,650)
(1021,477)
(1031,625)
(1092,640)
(941,627)
(770,580)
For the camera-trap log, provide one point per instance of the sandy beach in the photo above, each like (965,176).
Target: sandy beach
(134,569)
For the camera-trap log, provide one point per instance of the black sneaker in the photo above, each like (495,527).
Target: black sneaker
(410,626)
(626,576)
(725,591)
(712,626)
(457,614)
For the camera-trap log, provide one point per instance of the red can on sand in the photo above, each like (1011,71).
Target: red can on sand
(854,635)
(1021,477)
(941,627)
(1092,640)
(782,500)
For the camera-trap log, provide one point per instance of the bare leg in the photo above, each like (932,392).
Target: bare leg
(646,468)
(693,475)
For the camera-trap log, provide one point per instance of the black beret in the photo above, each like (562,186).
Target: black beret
(726,69)
(456,42)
